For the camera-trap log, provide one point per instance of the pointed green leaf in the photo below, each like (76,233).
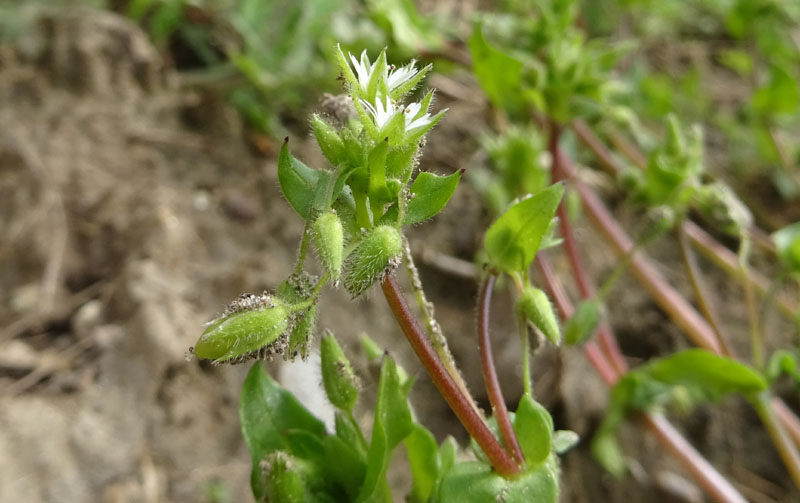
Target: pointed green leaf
(267,412)
(513,240)
(298,181)
(393,422)
(429,195)
(423,458)
(498,74)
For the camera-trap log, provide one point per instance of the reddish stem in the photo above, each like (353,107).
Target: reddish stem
(490,374)
(604,336)
(473,423)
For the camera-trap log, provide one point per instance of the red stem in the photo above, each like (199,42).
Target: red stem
(473,423)
(490,374)
(604,335)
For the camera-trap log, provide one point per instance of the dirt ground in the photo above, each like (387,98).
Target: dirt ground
(132,211)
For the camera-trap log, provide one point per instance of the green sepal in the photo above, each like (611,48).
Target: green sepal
(329,140)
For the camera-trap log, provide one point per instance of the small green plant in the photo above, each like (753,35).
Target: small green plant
(355,213)
(544,77)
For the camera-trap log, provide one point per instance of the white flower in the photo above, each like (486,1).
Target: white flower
(363,69)
(398,76)
(384,110)
(380,113)
(413,120)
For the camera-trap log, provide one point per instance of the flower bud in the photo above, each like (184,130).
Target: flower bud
(329,140)
(536,307)
(376,255)
(328,237)
(253,326)
(341,384)
(583,322)
(284,480)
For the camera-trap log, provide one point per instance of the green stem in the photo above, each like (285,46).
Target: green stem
(524,338)
(690,265)
(786,448)
(460,405)
(301,258)
(756,339)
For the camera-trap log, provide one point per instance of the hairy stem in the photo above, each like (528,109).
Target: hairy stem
(490,373)
(433,329)
(472,421)
(692,272)
(701,470)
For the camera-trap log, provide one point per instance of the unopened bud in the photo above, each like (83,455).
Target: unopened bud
(328,238)
(536,307)
(329,140)
(376,255)
(253,326)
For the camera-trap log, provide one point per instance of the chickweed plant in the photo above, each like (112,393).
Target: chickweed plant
(355,213)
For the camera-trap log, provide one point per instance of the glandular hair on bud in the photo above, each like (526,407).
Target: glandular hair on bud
(328,236)
(253,326)
(341,383)
(536,307)
(377,254)
(329,140)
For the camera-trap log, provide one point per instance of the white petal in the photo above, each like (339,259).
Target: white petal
(400,75)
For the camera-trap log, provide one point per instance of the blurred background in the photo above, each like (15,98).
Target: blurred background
(139,195)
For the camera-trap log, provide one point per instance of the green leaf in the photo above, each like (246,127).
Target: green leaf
(534,428)
(476,482)
(564,440)
(513,240)
(697,373)
(267,412)
(424,461)
(393,422)
(787,242)
(345,464)
(430,194)
(298,181)
(498,74)
(714,374)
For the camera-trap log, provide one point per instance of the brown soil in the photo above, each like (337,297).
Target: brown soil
(127,222)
